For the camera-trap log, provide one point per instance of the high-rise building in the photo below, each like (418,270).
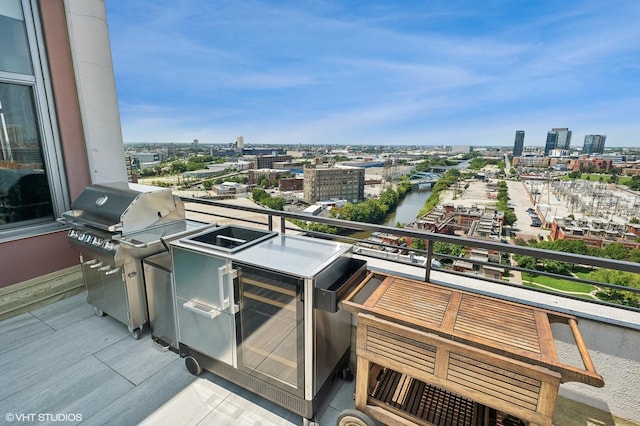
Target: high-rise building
(593,144)
(266,161)
(558,138)
(518,144)
(550,144)
(564,138)
(324,183)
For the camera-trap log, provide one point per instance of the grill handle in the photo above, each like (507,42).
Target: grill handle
(68,218)
(129,243)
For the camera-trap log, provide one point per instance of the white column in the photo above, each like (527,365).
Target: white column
(93,67)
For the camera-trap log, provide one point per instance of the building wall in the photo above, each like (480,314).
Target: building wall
(324,183)
(266,161)
(291,184)
(78,61)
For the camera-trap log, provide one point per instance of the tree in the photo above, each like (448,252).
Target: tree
(510,217)
(418,244)
(528,262)
(259,194)
(275,203)
(614,251)
(621,278)
(178,167)
(634,255)
(448,249)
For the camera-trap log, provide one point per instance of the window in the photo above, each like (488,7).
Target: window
(24,191)
(27,142)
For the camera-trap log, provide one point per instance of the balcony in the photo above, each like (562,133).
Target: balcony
(60,362)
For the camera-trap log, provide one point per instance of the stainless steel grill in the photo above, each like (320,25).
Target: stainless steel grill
(114,226)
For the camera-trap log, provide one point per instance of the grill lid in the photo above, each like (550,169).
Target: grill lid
(124,207)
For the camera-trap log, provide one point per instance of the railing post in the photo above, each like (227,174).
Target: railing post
(282,225)
(270,217)
(427,266)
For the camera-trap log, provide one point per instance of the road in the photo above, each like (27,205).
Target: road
(519,198)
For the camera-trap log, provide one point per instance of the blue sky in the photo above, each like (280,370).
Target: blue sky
(401,72)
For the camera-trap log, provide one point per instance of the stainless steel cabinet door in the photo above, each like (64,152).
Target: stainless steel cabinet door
(207,330)
(197,278)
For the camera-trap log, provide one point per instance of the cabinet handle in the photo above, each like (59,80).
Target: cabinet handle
(113,271)
(193,307)
(221,276)
(95,265)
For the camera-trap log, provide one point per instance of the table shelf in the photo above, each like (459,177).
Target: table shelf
(432,355)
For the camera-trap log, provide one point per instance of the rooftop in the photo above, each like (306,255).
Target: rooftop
(62,360)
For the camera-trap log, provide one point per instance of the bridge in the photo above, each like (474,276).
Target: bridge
(424,179)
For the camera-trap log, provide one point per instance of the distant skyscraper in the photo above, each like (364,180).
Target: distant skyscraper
(550,144)
(564,138)
(240,142)
(518,144)
(593,144)
(558,138)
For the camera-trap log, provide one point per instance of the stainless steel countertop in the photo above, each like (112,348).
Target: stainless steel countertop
(290,254)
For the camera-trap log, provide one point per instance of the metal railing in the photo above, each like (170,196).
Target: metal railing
(216,209)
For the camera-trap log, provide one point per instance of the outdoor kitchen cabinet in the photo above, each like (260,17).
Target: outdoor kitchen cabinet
(250,314)
(206,315)
(158,273)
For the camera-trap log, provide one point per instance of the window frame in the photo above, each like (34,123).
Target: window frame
(47,123)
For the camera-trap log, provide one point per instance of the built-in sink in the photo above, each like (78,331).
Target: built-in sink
(230,238)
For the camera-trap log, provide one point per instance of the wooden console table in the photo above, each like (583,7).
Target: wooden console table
(417,339)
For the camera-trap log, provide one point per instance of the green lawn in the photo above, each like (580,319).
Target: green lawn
(558,284)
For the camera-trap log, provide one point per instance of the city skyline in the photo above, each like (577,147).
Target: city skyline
(376,73)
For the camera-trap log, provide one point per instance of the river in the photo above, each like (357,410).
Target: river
(408,208)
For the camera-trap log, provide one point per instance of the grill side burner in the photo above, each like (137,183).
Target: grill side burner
(115,226)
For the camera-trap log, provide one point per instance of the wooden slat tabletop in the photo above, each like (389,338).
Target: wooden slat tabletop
(504,327)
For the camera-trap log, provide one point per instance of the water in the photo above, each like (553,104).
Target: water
(408,208)
(405,213)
